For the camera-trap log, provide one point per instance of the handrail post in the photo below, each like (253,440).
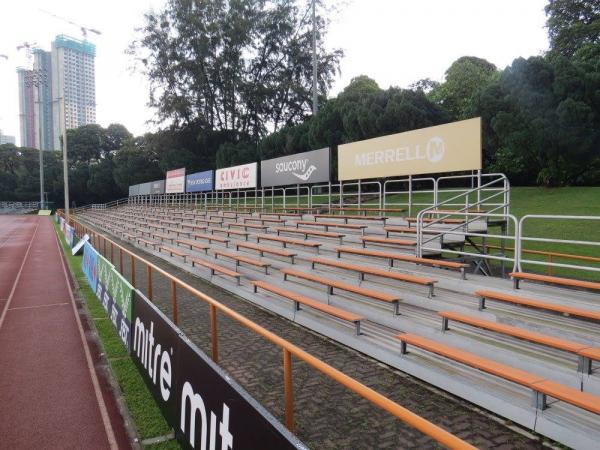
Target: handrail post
(149,273)
(174,302)
(121,260)
(288,389)
(132,259)
(214,334)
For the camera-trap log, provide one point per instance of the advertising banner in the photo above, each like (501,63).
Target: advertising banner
(69,234)
(144,188)
(133,190)
(89,265)
(444,148)
(237,177)
(115,294)
(157,187)
(205,407)
(175,181)
(199,181)
(307,167)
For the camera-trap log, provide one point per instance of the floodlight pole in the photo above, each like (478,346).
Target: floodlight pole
(64,150)
(314,59)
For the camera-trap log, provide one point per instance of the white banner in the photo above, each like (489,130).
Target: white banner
(237,177)
(175,181)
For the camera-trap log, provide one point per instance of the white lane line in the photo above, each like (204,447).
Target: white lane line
(37,306)
(110,434)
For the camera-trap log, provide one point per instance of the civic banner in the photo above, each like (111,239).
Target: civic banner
(89,265)
(205,407)
(444,148)
(175,182)
(199,181)
(307,167)
(237,177)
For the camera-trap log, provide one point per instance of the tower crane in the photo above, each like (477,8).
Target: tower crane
(84,30)
(27,46)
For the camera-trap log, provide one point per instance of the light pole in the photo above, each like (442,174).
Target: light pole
(314,58)
(39,77)
(63,141)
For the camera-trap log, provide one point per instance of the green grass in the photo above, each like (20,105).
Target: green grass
(144,410)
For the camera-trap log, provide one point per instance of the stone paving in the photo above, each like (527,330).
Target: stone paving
(327,415)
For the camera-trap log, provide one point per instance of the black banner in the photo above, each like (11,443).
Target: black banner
(207,409)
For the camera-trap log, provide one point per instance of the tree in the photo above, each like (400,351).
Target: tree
(572,24)
(240,65)
(463,79)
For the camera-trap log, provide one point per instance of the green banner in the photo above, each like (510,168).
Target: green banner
(121,292)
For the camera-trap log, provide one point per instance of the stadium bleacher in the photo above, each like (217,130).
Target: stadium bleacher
(506,347)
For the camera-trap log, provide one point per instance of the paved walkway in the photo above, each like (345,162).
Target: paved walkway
(50,393)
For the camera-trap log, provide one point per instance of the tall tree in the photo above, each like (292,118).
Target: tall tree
(464,78)
(573,24)
(242,65)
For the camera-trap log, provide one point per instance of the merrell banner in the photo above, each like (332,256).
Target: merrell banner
(237,177)
(444,148)
(205,407)
(175,181)
(199,181)
(307,167)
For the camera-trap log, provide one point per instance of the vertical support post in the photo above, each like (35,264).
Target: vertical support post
(149,276)
(549,264)
(214,335)
(174,302)
(288,389)
(121,260)
(112,250)
(410,195)
(132,259)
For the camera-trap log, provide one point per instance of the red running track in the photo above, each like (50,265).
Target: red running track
(51,395)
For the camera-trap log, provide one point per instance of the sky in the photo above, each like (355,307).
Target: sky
(395,42)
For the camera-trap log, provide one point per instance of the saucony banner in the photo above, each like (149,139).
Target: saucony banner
(307,167)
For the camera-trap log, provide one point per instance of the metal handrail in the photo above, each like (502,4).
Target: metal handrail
(438,434)
(552,240)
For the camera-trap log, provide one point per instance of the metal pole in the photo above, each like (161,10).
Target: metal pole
(314,59)
(40,150)
(65,165)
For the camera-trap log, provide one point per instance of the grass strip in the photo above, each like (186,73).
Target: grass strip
(142,407)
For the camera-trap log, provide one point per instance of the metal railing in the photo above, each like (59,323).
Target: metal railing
(523,238)
(108,248)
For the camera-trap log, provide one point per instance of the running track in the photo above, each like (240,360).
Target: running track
(51,395)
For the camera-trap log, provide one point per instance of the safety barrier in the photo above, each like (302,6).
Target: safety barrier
(105,245)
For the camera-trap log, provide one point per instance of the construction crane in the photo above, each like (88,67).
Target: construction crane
(84,30)
(27,46)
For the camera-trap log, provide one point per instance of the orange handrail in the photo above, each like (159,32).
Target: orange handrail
(424,426)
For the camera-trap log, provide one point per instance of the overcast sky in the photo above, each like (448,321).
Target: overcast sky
(396,42)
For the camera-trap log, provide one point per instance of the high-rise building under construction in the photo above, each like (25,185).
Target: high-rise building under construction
(65,74)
